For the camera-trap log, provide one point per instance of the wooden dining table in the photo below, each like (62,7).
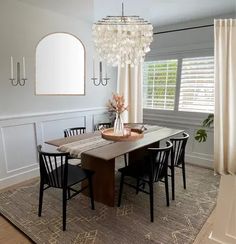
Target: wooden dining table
(102,159)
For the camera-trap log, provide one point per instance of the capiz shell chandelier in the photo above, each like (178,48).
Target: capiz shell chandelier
(121,40)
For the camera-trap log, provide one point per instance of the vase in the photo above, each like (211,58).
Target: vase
(118,125)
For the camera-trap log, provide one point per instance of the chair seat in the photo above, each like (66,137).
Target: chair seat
(136,169)
(75,174)
(74,161)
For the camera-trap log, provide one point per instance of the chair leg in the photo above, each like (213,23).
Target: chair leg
(40,199)
(184,176)
(137,186)
(173,182)
(167,191)
(68,193)
(151,201)
(64,203)
(126,160)
(91,192)
(121,189)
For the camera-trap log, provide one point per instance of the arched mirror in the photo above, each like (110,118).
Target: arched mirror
(60,65)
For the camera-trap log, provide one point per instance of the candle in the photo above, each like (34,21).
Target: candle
(93,69)
(100,70)
(24,76)
(18,72)
(12,76)
(106,70)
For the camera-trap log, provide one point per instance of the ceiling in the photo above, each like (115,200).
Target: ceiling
(81,9)
(158,12)
(164,12)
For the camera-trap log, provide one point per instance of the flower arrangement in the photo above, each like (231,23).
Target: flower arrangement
(117,104)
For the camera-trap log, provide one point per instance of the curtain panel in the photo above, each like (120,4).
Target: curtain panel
(130,85)
(225,97)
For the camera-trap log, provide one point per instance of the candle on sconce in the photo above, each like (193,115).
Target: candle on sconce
(93,68)
(12,67)
(106,69)
(100,70)
(24,76)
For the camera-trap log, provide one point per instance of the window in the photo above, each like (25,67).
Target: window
(160,84)
(187,81)
(197,85)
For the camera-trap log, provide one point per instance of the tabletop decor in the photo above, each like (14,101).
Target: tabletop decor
(130,134)
(117,104)
(122,40)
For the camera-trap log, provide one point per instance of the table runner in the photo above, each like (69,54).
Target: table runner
(78,147)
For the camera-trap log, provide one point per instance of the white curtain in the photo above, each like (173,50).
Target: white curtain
(225,97)
(130,85)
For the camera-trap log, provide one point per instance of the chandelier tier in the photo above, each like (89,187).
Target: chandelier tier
(121,40)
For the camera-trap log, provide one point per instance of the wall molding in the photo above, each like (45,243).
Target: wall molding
(23,165)
(40,114)
(18,178)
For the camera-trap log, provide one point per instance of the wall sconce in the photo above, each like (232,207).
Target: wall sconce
(101,80)
(18,81)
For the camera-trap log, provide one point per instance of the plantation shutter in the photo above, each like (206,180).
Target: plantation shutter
(159,84)
(197,85)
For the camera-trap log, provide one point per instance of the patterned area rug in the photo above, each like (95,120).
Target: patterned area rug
(130,224)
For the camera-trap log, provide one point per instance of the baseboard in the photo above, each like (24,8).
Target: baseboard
(206,163)
(19,178)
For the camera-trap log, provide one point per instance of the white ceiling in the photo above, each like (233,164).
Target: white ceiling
(164,12)
(158,12)
(81,9)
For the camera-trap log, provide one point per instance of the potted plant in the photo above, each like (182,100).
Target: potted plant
(201,134)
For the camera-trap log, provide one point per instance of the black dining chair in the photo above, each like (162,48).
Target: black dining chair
(148,171)
(74,132)
(104,125)
(178,159)
(57,173)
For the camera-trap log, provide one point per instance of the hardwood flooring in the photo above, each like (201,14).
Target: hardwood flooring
(10,235)
(202,236)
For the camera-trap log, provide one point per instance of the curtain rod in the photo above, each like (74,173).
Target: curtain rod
(183,29)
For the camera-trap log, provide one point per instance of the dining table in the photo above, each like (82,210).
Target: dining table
(98,155)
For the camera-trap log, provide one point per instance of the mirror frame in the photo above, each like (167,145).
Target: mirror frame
(53,94)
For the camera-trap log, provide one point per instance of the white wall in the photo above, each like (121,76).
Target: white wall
(25,119)
(22,26)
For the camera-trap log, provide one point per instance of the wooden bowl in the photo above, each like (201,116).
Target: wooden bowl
(108,134)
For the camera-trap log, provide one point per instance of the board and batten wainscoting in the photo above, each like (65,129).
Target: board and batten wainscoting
(19,136)
(196,153)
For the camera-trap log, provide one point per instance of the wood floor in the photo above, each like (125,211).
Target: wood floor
(10,235)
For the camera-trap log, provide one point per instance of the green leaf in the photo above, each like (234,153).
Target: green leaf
(201,135)
(208,122)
